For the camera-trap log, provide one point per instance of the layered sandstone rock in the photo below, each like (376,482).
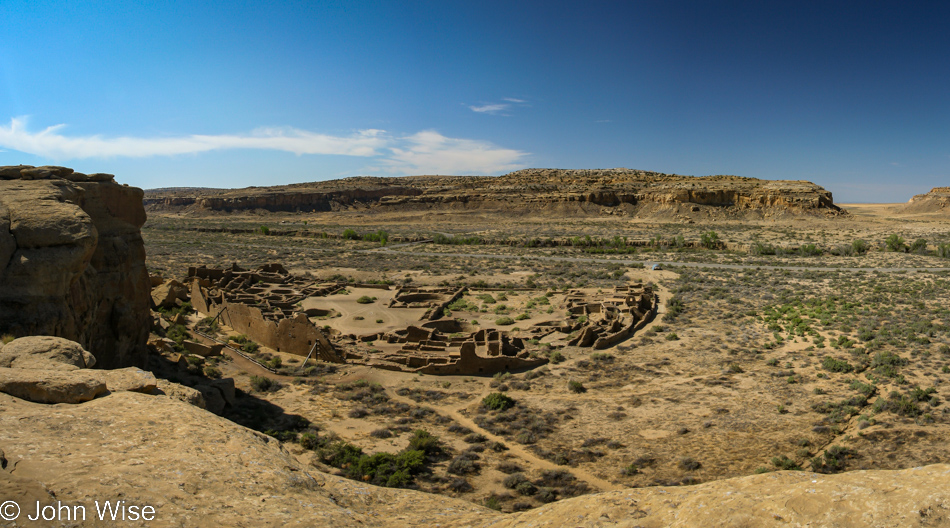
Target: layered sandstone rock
(598,191)
(72,261)
(935,201)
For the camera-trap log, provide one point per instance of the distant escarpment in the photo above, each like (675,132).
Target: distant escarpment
(72,261)
(936,201)
(543,191)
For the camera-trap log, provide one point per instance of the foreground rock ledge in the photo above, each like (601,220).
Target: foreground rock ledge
(201,470)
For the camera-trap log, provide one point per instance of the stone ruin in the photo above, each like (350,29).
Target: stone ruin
(612,319)
(266,305)
(262,304)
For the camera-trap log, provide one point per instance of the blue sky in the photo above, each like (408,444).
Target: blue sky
(854,96)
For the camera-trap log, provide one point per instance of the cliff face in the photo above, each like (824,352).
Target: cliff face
(936,201)
(72,261)
(531,190)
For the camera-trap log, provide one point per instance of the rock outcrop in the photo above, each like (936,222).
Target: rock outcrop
(72,261)
(935,201)
(45,352)
(46,369)
(601,191)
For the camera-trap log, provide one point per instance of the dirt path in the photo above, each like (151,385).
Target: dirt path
(530,459)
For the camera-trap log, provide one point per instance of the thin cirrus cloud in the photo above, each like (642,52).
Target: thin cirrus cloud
(423,152)
(497,108)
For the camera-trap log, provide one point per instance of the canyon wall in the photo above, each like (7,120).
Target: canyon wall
(72,261)
(599,191)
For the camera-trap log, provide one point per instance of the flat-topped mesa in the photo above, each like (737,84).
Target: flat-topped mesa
(529,191)
(72,261)
(935,201)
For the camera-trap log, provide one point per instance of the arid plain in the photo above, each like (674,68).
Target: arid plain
(789,334)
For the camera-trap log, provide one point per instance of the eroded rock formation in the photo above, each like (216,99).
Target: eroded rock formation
(72,261)
(935,201)
(601,191)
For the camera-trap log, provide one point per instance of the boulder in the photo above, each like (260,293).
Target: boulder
(128,379)
(166,294)
(180,392)
(45,352)
(51,386)
(226,386)
(214,401)
(200,349)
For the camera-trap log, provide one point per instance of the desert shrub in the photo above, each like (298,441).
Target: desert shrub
(274,362)
(556,357)
(459,429)
(836,365)
(422,441)
(498,401)
(576,387)
(859,247)
(513,480)
(264,384)
(212,372)
(493,502)
(504,321)
(381,433)
(832,460)
(603,357)
(546,495)
(462,465)
(709,240)
(509,467)
(783,462)
(689,464)
(366,299)
(895,243)
(476,438)
(459,485)
(359,412)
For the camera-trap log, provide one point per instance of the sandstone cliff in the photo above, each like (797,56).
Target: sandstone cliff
(935,201)
(542,191)
(72,261)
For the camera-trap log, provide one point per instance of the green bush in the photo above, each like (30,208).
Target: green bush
(576,387)
(264,384)
(895,243)
(366,299)
(710,240)
(783,462)
(504,321)
(498,401)
(836,365)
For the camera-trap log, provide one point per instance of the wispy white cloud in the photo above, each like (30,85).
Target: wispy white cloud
(426,152)
(495,108)
(51,143)
(429,152)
